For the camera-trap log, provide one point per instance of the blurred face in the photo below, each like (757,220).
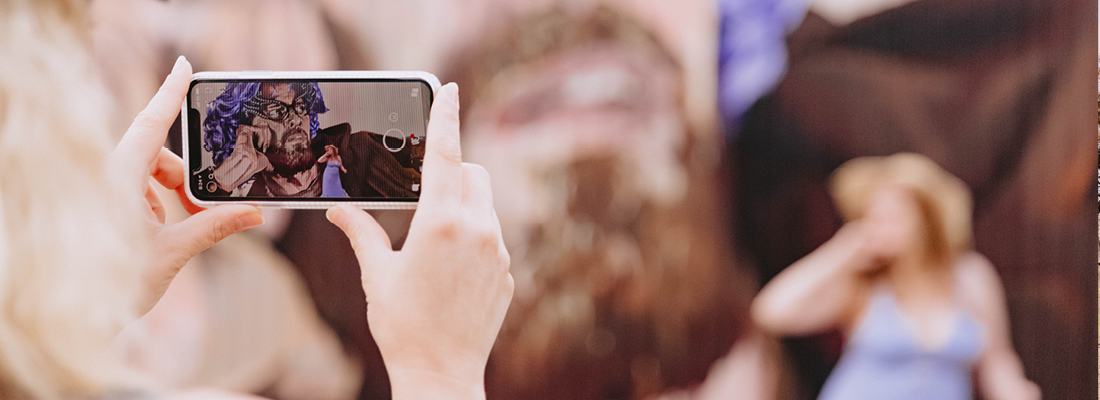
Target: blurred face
(284,115)
(600,196)
(603,113)
(894,221)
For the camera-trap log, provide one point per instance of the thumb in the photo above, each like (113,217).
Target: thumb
(244,135)
(174,245)
(263,164)
(368,239)
(184,240)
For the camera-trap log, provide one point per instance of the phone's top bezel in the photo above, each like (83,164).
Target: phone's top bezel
(282,76)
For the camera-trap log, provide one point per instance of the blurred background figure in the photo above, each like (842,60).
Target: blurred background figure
(996,93)
(920,311)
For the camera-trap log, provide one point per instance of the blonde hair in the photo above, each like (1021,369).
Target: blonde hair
(944,200)
(70,251)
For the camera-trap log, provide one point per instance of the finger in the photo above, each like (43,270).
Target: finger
(140,144)
(443,156)
(182,241)
(264,139)
(368,239)
(245,136)
(510,287)
(505,257)
(265,164)
(477,195)
(155,204)
(169,172)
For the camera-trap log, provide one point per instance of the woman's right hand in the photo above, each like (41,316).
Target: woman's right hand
(868,255)
(436,306)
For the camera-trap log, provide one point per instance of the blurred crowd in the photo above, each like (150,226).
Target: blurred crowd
(654,164)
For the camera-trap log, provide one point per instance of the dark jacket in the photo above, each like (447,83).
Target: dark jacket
(372,170)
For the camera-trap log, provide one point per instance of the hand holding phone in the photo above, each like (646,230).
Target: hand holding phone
(436,306)
(141,158)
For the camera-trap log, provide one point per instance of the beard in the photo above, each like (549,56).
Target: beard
(625,280)
(290,160)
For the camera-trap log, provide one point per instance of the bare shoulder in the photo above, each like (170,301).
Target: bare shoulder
(975,271)
(979,285)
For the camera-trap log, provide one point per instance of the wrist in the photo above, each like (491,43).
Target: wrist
(225,176)
(851,252)
(415,383)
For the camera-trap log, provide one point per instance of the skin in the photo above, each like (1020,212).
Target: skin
(830,288)
(435,307)
(246,161)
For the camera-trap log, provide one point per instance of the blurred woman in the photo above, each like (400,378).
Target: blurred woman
(85,250)
(920,310)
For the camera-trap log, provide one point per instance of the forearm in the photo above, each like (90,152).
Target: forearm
(417,384)
(814,293)
(230,174)
(1001,375)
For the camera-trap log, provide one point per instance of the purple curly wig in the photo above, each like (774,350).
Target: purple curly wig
(226,112)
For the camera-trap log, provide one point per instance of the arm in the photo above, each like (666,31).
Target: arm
(435,307)
(1000,372)
(819,291)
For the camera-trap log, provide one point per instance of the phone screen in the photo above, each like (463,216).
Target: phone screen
(321,139)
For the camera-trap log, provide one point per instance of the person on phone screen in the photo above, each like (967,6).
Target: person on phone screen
(333,167)
(265,140)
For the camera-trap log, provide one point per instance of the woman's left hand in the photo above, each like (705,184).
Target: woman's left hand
(141,158)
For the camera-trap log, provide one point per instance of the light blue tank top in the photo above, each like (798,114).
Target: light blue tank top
(883,361)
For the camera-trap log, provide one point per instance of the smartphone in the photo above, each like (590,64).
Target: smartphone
(307,139)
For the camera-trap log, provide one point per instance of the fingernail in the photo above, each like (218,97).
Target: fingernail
(450,92)
(249,220)
(179,64)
